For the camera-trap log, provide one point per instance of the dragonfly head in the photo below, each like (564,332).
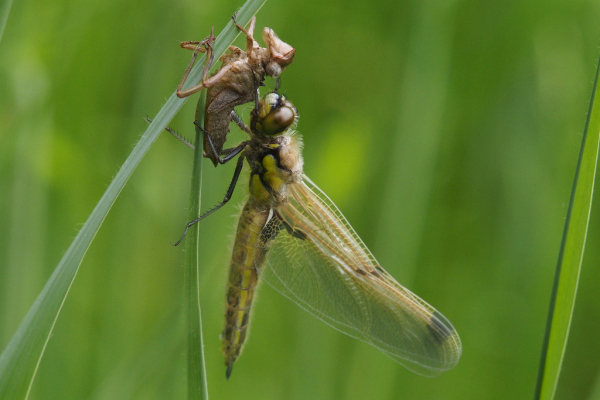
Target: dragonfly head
(274,115)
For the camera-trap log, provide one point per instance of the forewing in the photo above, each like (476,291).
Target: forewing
(316,259)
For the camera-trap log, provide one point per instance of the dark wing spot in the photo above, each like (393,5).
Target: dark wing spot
(375,273)
(360,272)
(440,327)
(297,233)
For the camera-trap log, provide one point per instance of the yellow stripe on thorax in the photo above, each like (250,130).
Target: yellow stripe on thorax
(272,175)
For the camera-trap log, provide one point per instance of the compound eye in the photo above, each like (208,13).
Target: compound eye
(278,120)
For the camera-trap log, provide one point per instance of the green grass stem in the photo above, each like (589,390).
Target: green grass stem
(4,11)
(21,358)
(570,255)
(197,385)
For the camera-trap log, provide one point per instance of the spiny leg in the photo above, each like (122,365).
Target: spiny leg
(226,154)
(236,175)
(197,47)
(177,136)
(194,45)
(256,104)
(249,33)
(181,139)
(240,123)
(229,153)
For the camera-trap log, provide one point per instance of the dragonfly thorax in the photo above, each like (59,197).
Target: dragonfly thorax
(274,152)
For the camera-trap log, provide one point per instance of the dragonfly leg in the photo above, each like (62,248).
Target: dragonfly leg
(177,136)
(236,175)
(256,104)
(240,123)
(249,33)
(207,43)
(225,155)
(194,45)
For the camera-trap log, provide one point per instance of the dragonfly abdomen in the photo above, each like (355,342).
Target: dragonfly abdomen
(242,282)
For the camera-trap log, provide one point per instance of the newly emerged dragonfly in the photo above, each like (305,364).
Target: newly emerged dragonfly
(292,236)
(233,84)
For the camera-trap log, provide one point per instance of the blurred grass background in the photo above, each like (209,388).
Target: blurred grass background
(447,132)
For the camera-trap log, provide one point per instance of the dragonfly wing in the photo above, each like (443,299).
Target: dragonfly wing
(317,260)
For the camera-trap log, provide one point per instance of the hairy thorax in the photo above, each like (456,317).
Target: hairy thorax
(275,163)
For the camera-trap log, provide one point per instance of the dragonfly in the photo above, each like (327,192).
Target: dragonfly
(233,84)
(292,236)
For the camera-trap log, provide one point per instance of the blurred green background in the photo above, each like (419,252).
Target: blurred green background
(447,132)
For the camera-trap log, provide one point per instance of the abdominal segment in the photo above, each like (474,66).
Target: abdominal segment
(241,285)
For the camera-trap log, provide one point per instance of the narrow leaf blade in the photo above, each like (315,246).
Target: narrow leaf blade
(21,358)
(571,254)
(4,12)
(197,384)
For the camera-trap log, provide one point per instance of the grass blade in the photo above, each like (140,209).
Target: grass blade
(4,11)
(197,385)
(20,359)
(570,256)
